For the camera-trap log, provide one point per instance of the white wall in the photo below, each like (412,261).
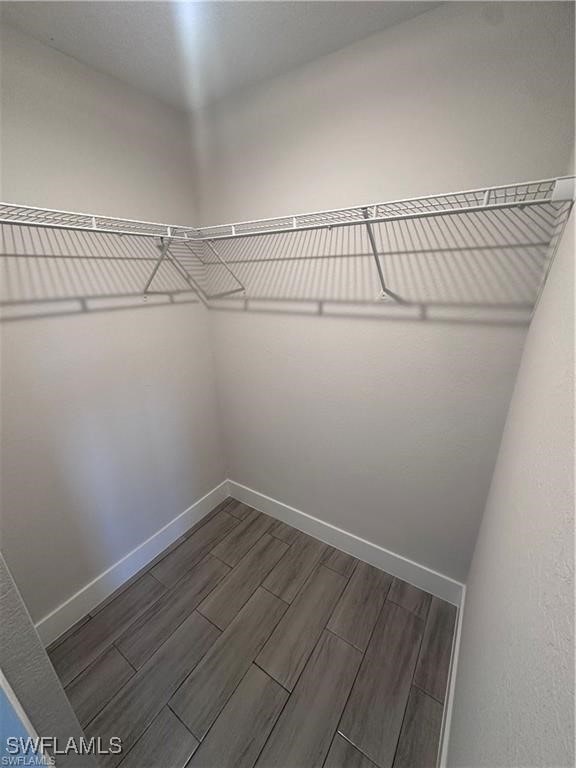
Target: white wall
(109,423)
(399,440)
(514,701)
(465,95)
(32,677)
(80,140)
(387,429)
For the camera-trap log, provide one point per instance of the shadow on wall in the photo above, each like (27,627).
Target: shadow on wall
(485,267)
(55,272)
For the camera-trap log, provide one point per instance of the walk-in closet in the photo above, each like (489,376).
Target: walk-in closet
(287,384)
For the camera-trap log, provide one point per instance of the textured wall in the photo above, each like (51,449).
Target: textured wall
(389,429)
(109,424)
(514,702)
(31,675)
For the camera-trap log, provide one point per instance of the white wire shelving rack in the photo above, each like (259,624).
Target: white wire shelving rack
(475,239)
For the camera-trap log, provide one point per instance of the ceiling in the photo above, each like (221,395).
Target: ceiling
(191,53)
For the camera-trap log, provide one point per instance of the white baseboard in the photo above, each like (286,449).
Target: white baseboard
(419,575)
(451,687)
(86,599)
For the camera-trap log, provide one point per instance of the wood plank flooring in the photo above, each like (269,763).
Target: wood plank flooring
(249,643)
(375,710)
(286,652)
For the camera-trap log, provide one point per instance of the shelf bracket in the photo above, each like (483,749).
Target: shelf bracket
(385,291)
(164,245)
(165,254)
(241,289)
(187,278)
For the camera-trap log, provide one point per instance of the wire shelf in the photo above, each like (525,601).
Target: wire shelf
(47,217)
(485,247)
(526,193)
(484,258)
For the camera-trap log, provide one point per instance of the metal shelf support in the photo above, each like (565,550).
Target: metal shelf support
(163,246)
(384,288)
(242,288)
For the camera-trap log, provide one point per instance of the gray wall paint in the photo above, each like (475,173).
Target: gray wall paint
(31,675)
(109,423)
(387,429)
(514,701)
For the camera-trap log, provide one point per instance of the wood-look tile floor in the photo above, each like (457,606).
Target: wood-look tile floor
(248,643)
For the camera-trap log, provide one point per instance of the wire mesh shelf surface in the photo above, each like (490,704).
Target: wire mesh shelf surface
(46,217)
(507,196)
(485,247)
